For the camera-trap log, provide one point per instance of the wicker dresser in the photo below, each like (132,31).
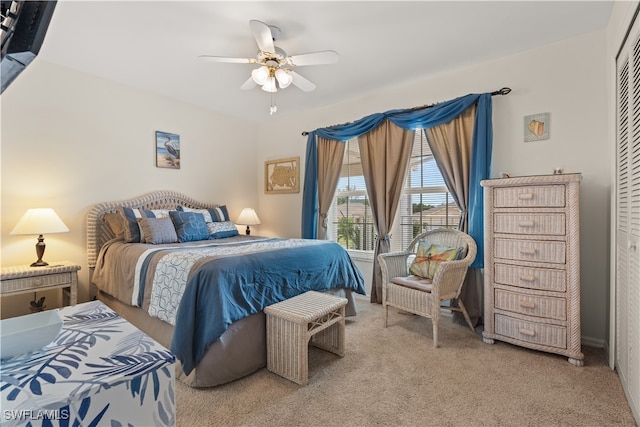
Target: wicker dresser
(532,263)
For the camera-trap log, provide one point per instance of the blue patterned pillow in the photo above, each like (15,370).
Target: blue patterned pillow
(218,214)
(190,226)
(222,229)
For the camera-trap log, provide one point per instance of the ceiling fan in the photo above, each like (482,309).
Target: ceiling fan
(275,66)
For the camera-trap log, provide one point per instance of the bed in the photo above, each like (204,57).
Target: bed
(203,297)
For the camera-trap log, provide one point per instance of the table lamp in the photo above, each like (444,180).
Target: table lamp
(248,217)
(39,221)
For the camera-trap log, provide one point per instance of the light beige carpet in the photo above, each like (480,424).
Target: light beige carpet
(394,377)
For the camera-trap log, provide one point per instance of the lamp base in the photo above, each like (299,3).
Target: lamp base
(40,246)
(39,263)
(247,231)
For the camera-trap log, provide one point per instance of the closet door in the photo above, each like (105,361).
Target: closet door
(627,248)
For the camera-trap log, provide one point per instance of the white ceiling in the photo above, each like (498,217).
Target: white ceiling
(154,45)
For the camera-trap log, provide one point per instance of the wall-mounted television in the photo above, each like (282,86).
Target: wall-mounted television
(24,25)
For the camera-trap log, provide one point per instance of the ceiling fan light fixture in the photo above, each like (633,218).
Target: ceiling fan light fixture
(260,75)
(270,85)
(284,78)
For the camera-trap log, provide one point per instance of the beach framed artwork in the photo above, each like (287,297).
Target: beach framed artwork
(282,176)
(536,127)
(167,150)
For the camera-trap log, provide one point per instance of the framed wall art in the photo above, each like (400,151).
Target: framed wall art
(167,150)
(536,127)
(282,176)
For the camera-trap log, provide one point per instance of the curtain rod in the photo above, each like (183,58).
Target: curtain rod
(503,91)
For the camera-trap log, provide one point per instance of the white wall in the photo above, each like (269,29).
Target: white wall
(70,140)
(566,79)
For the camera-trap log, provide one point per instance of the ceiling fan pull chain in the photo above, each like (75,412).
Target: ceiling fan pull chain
(273,108)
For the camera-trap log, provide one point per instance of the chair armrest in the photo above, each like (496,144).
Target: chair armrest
(449,278)
(393,264)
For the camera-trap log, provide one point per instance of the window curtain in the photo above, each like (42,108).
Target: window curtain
(330,154)
(412,119)
(451,145)
(385,153)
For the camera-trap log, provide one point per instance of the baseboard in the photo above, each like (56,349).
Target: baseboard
(594,342)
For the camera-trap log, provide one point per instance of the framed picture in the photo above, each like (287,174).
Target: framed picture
(536,127)
(282,176)
(167,150)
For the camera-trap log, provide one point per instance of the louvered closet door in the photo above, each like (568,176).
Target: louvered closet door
(628,218)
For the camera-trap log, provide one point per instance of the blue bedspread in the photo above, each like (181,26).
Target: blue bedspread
(224,290)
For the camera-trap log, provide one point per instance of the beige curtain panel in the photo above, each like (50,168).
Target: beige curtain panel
(385,153)
(451,145)
(330,155)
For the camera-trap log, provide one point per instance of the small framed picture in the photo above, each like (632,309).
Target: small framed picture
(282,176)
(167,150)
(536,127)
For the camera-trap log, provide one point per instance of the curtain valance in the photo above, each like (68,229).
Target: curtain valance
(410,119)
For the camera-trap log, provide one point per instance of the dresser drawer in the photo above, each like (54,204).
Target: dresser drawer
(530,196)
(546,279)
(532,332)
(511,223)
(531,305)
(12,285)
(530,250)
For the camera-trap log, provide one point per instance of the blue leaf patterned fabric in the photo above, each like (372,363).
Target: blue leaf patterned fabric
(190,226)
(100,370)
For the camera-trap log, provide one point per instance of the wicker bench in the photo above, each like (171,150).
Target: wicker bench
(291,324)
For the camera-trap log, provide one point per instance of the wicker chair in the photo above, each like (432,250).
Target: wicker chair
(423,296)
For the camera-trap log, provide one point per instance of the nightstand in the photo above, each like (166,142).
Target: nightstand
(21,279)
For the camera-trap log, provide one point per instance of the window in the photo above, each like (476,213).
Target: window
(351,222)
(424,205)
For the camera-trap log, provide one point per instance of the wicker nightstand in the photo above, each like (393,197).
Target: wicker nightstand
(21,279)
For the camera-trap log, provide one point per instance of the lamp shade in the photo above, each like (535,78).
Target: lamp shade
(39,221)
(248,217)
(270,85)
(284,78)
(260,75)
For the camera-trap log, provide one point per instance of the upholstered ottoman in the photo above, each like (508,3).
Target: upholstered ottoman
(291,324)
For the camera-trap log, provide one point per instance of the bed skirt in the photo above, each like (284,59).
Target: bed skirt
(240,351)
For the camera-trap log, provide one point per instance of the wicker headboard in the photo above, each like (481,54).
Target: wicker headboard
(98,232)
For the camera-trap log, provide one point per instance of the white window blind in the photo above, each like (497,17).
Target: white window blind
(424,205)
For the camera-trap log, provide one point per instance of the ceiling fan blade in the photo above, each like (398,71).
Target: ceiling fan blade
(262,34)
(211,58)
(314,58)
(249,84)
(301,82)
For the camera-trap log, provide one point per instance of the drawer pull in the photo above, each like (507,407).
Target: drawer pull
(527,304)
(528,251)
(528,332)
(525,196)
(528,278)
(527,224)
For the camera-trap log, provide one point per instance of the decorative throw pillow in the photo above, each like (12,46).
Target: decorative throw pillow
(132,232)
(429,256)
(158,230)
(220,230)
(190,226)
(218,214)
(114,221)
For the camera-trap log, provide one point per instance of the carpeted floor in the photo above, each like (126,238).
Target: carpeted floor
(394,377)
